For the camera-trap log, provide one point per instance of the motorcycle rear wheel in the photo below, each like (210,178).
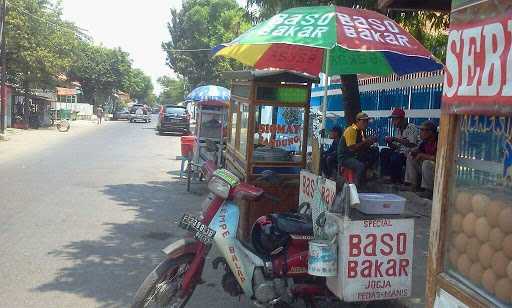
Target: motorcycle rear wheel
(162,285)
(63,126)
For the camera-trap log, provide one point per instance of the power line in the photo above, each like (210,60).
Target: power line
(77,30)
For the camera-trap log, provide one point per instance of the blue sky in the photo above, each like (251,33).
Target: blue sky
(138,27)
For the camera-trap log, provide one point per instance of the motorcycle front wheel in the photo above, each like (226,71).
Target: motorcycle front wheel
(162,287)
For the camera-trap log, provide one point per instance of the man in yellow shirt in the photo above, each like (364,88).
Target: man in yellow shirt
(355,151)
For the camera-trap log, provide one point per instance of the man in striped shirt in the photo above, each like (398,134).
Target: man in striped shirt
(393,158)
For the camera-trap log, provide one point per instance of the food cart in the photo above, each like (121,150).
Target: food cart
(470,248)
(210,126)
(268,130)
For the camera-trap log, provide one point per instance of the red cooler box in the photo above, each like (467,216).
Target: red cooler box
(187,145)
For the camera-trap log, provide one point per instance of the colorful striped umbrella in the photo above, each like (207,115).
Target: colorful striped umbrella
(333,40)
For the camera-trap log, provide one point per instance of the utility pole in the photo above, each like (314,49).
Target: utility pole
(3,90)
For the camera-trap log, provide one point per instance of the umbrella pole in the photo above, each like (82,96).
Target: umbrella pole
(326,87)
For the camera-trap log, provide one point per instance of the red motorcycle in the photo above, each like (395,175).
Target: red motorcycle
(271,270)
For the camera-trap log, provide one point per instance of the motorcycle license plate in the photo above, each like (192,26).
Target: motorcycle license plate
(202,232)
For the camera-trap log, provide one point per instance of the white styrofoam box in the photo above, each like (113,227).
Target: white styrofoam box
(381,204)
(354,282)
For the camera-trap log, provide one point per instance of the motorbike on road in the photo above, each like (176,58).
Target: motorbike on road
(271,270)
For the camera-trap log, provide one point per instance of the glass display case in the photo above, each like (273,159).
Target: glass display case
(268,123)
(470,245)
(211,126)
(478,253)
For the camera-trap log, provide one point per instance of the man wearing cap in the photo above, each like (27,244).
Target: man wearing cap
(422,160)
(393,159)
(355,151)
(330,158)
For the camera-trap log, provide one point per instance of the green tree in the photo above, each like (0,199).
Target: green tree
(173,90)
(40,45)
(102,71)
(202,24)
(138,85)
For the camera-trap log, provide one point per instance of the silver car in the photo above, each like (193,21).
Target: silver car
(139,112)
(123,114)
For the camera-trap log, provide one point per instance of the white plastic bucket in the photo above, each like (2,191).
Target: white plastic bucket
(322,260)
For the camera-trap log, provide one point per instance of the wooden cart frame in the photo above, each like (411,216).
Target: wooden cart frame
(465,14)
(251,81)
(240,161)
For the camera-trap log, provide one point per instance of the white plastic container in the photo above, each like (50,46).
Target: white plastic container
(322,259)
(381,204)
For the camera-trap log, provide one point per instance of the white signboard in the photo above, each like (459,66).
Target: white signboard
(375,259)
(308,187)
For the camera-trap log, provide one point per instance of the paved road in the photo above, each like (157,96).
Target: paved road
(83,222)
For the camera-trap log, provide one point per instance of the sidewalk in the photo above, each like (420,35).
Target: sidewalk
(24,141)
(420,209)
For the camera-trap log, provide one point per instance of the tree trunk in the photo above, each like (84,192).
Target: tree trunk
(351,97)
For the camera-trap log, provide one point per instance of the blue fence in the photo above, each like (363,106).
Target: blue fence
(418,94)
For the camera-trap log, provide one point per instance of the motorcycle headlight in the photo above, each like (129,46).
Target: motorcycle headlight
(219,187)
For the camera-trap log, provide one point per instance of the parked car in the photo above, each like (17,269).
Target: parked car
(156,110)
(173,119)
(121,114)
(139,112)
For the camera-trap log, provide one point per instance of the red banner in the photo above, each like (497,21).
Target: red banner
(368,30)
(479,64)
(293,57)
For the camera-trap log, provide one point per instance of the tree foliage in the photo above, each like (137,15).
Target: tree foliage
(202,24)
(41,46)
(99,70)
(138,85)
(173,89)
(102,71)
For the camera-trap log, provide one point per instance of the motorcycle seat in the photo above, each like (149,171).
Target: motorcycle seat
(292,223)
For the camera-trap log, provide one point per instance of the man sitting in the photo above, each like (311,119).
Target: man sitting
(355,151)
(393,159)
(422,161)
(330,157)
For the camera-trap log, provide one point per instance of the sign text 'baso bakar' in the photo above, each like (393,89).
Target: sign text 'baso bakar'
(367,246)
